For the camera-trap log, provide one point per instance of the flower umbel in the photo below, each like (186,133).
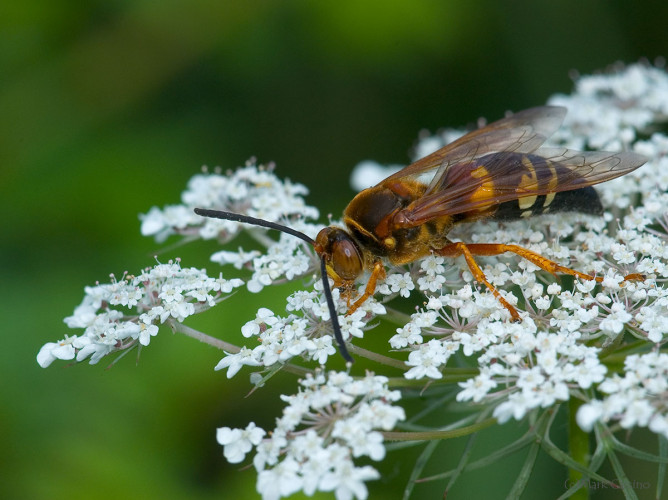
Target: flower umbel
(600,347)
(121,314)
(333,420)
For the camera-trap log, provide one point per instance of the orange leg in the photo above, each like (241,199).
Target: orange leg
(457,249)
(633,277)
(488,249)
(377,273)
(533,257)
(540,261)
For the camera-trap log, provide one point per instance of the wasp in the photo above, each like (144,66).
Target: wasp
(498,172)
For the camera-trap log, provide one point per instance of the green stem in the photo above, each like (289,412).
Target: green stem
(203,337)
(379,358)
(618,353)
(429,435)
(578,446)
(226,346)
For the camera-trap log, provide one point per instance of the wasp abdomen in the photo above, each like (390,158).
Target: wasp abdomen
(583,200)
(536,174)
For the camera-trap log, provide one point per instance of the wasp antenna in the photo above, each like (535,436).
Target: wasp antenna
(332,313)
(246,219)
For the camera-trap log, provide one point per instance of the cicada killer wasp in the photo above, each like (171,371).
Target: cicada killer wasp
(498,172)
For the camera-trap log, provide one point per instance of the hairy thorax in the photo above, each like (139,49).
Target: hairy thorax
(371,217)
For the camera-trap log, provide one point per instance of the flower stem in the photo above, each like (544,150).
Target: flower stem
(578,446)
(226,346)
(203,337)
(428,435)
(379,358)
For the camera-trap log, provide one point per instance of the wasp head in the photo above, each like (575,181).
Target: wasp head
(340,252)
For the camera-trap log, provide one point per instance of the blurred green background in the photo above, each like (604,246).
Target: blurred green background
(108,107)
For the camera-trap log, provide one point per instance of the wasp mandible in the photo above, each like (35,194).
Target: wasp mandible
(498,172)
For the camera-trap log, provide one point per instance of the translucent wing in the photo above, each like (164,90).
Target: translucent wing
(523,132)
(505,176)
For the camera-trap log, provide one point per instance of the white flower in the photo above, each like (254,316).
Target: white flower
(476,388)
(322,349)
(238,442)
(636,399)
(123,313)
(281,481)
(403,284)
(301,300)
(234,362)
(369,173)
(297,456)
(431,282)
(147,331)
(238,259)
(432,265)
(225,286)
(52,351)
(361,441)
(516,405)
(408,334)
(353,324)
(588,415)
(251,190)
(426,360)
(590,371)
(94,351)
(264,318)
(317,464)
(614,322)
(653,320)
(347,481)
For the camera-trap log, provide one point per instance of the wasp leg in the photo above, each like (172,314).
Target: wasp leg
(377,273)
(488,249)
(540,261)
(633,277)
(457,249)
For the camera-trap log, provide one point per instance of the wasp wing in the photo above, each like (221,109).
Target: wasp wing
(507,176)
(523,132)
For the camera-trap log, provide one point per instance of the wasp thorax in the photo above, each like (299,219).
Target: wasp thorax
(341,253)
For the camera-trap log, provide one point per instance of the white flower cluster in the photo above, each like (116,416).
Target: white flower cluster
(334,419)
(607,110)
(534,369)
(117,315)
(553,354)
(636,399)
(304,332)
(543,360)
(285,259)
(250,190)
